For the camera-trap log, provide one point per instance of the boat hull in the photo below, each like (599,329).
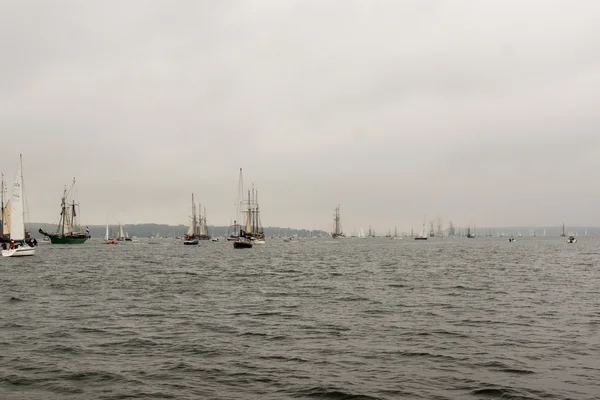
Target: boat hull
(59,239)
(420,238)
(19,252)
(242,244)
(191,242)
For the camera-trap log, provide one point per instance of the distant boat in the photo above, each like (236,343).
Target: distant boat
(198,228)
(563,234)
(337,230)
(362,235)
(107,238)
(121,237)
(423,235)
(571,239)
(469,234)
(65,232)
(17,246)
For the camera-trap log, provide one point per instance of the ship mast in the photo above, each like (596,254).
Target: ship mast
(249,217)
(63,212)
(193,216)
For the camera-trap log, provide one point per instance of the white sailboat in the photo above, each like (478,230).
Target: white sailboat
(107,238)
(121,236)
(423,235)
(18,247)
(361,234)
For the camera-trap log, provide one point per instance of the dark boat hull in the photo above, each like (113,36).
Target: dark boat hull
(191,242)
(242,244)
(59,239)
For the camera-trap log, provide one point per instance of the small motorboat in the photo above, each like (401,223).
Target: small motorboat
(571,239)
(511,239)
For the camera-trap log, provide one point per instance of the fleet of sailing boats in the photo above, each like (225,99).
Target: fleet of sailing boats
(244,235)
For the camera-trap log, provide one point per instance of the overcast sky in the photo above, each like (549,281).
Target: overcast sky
(480,112)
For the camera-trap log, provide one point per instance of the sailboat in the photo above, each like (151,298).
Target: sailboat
(563,231)
(337,227)
(361,234)
(191,238)
(469,234)
(396,234)
(65,233)
(18,247)
(121,237)
(258,233)
(244,239)
(107,238)
(423,235)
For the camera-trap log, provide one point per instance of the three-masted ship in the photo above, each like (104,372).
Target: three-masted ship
(66,231)
(198,228)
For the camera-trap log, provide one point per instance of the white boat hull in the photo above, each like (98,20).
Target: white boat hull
(258,241)
(19,252)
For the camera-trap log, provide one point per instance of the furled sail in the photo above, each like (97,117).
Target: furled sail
(6,219)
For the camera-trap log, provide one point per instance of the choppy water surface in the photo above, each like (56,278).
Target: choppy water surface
(348,319)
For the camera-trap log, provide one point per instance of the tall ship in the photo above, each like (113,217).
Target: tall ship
(337,226)
(67,231)
(198,229)
(253,224)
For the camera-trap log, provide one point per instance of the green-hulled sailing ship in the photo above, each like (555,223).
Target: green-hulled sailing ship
(65,232)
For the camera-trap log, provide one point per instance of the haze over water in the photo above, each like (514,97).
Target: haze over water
(347,319)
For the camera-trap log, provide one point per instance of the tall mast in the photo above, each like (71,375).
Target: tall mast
(240,196)
(63,213)
(249,217)
(73,214)
(193,216)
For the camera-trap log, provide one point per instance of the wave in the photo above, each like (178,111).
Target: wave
(333,394)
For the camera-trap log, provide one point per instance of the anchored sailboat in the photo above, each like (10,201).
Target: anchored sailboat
(18,247)
(65,232)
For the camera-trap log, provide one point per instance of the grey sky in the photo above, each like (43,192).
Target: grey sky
(482,112)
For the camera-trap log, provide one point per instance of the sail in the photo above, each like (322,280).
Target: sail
(17,223)
(68,227)
(121,235)
(190,231)
(6,219)
(106,235)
